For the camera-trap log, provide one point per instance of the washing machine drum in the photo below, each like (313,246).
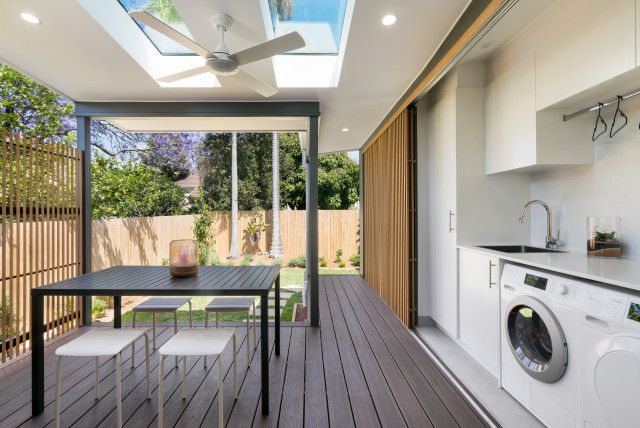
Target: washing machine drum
(536,339)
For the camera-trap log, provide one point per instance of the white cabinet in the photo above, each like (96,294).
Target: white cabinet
(480,307)
(580,44)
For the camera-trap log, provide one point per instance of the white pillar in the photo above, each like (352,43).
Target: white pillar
(233,250)
(276,241)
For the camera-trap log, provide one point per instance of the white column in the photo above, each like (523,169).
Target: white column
(276,242)
(233,250)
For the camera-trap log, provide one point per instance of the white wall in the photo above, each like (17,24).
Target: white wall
(609,187)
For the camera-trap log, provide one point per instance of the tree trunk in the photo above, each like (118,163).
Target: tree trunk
(233,250)
(276,242)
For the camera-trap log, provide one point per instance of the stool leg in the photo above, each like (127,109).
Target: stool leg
(216,319)
(184,378)
(148,365)
(248,343)
(255,345)
(58,370)
(175,329)
(220,393)
(160,395)
(153,322)
(190,316)
(235,374)
(97,380)
(133,344)
(119,390)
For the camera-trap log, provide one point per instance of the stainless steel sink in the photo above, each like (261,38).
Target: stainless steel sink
(518,249)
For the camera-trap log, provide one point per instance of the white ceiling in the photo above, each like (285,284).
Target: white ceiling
(72,54)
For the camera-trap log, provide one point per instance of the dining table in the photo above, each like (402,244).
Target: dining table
(121,281)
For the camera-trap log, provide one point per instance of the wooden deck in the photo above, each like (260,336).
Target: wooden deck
(360,368)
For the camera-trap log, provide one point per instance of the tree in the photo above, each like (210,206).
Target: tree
(234,251)
(338,181)
(132,189)
(276,244)
(175,154)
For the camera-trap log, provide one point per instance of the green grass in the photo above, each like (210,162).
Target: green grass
(295,276)
(287,311)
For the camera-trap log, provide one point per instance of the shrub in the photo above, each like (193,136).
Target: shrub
(299,261)
(246,260)
(323,262)
(98,308)
(339,255)
(355,259)
(164,262)
(342,264)
(212,259)
(277,262)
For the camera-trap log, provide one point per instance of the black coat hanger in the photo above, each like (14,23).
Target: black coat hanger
(615,116)
(599,119)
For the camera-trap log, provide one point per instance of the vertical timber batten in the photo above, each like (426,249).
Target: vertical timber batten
(388,227)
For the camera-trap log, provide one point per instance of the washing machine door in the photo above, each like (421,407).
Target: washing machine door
(536,339)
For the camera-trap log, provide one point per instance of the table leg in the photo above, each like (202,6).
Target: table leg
(37,354)
(117,311)
(277,316)
(264,351)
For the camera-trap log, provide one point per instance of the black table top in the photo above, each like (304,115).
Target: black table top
(156,281)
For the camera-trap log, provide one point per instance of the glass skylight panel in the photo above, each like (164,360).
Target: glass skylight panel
(319,22)
(165,11)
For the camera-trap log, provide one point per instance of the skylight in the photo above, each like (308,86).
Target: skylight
(165,11)
(320,22)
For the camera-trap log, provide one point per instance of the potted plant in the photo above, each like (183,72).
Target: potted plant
(255,227)
(603,239)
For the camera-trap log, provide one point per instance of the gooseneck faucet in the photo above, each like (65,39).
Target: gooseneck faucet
(550,241)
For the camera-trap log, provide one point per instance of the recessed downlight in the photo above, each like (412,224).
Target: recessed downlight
(389,20)
(345,129)
(30,18)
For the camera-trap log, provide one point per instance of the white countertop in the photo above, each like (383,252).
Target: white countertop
(619,272)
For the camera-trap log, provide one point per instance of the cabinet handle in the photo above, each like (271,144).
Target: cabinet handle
(491,266)
(451,214)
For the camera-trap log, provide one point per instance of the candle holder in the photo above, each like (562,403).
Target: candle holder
(183,258)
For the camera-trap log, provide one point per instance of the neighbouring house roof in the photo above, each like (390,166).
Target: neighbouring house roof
(191,184)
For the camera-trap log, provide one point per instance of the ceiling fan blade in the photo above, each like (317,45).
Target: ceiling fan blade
(183,74)
(153,22)
(251,82)
(277,46)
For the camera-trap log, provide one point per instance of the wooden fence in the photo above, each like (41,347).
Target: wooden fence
(40,227)
(145,240)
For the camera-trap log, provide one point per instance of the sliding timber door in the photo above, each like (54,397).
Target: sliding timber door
(388,215)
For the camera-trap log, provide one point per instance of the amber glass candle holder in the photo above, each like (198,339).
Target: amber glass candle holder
(183,258)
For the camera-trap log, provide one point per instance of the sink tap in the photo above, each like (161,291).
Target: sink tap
(550,241)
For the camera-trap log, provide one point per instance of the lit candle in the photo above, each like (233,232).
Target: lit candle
(183,259)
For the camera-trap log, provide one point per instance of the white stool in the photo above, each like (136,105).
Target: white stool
(97,343)
(233,304)
(192,343)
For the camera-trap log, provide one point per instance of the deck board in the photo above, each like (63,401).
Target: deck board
(362,367)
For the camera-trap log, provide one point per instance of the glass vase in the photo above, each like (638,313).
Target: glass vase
(603,237)
(183,258)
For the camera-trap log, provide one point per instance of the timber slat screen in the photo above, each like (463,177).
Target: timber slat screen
(388,222)
(40,231)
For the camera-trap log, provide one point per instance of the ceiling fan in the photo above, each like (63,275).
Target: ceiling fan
(220,62)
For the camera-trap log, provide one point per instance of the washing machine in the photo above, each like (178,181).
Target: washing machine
(611,343)
(540,327)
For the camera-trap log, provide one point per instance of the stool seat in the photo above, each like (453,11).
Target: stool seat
(101,342)
(196,342)
(159,304)
(230,304)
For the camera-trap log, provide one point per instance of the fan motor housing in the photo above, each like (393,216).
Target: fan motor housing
(222,65)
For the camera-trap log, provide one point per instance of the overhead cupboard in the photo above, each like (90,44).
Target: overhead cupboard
(557,64)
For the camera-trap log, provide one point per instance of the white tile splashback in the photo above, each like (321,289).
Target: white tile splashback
(609,187)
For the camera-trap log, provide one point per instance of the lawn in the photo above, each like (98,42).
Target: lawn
(288,277)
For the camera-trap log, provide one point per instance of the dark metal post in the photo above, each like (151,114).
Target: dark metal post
(117,312)
(312,220)
(37,354)
(84,227)
(277,315)
(264,351)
